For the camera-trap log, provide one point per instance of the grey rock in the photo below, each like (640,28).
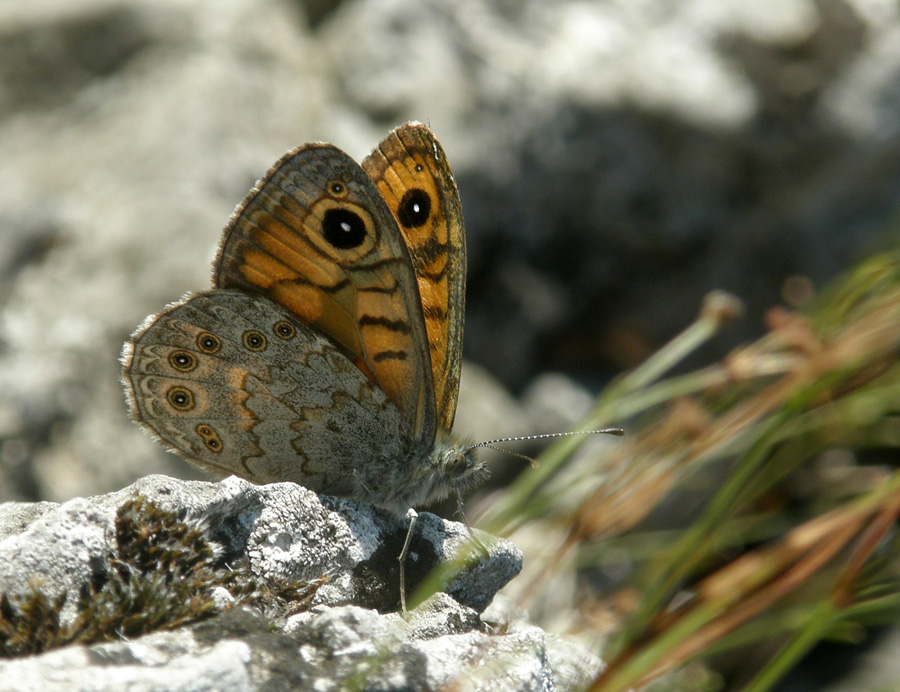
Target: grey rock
(213,655)
(283,532)
(389,653)
(328,648)
(58,552)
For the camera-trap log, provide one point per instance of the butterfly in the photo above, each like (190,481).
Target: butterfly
(328,352)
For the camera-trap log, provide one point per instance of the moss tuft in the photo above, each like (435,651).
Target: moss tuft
(162,576)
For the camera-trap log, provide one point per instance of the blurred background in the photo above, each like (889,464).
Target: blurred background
(617,160)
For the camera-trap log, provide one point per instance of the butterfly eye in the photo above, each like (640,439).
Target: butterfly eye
(284,329)
(182,361)
(210,438)
(181,398)
(415,208)
(343,228)
(457,464)
(208,343)
(254,341)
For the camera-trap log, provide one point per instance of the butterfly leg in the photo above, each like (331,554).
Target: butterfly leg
(472,537)
(413,517)
(362,484)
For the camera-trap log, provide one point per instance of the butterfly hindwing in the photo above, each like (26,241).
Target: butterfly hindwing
(237,385)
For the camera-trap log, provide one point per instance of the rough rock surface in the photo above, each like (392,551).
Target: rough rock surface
(326,649)
(280,533)
(284,531)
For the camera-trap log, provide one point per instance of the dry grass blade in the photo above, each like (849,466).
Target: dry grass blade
(748,545)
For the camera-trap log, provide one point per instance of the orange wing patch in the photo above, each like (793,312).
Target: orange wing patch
(316,237)
(411,173)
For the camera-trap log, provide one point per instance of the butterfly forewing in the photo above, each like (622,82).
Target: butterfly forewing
(411,173)
(316,237)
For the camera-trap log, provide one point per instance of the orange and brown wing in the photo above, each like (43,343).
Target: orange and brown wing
(315,236)
(412,174)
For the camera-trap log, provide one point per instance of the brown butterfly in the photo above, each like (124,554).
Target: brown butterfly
(328,353)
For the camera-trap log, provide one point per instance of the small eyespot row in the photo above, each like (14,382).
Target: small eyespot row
(254,340)
(210,437)
(284,329)
(180,398)
(182,361)
(208,343)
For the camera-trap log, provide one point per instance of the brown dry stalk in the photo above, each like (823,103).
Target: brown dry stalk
(876,334)
(754,582)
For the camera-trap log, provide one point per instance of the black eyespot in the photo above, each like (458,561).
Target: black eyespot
(415,208)
(419,168)
(181,398)
(254,341)
(338,188)
(343,228)
(210,438)
(208,343)
(284,329)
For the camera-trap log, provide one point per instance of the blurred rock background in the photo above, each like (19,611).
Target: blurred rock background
(617,160)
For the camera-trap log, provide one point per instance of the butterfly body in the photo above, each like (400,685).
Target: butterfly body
(328,352)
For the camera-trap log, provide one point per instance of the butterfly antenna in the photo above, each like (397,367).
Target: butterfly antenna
(527,458)
(545,436)
(490,444)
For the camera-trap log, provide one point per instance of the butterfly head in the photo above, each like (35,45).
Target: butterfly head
(463,469)
(456,469)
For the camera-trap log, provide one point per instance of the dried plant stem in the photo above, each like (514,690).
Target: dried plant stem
(748,586)
(624,398)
